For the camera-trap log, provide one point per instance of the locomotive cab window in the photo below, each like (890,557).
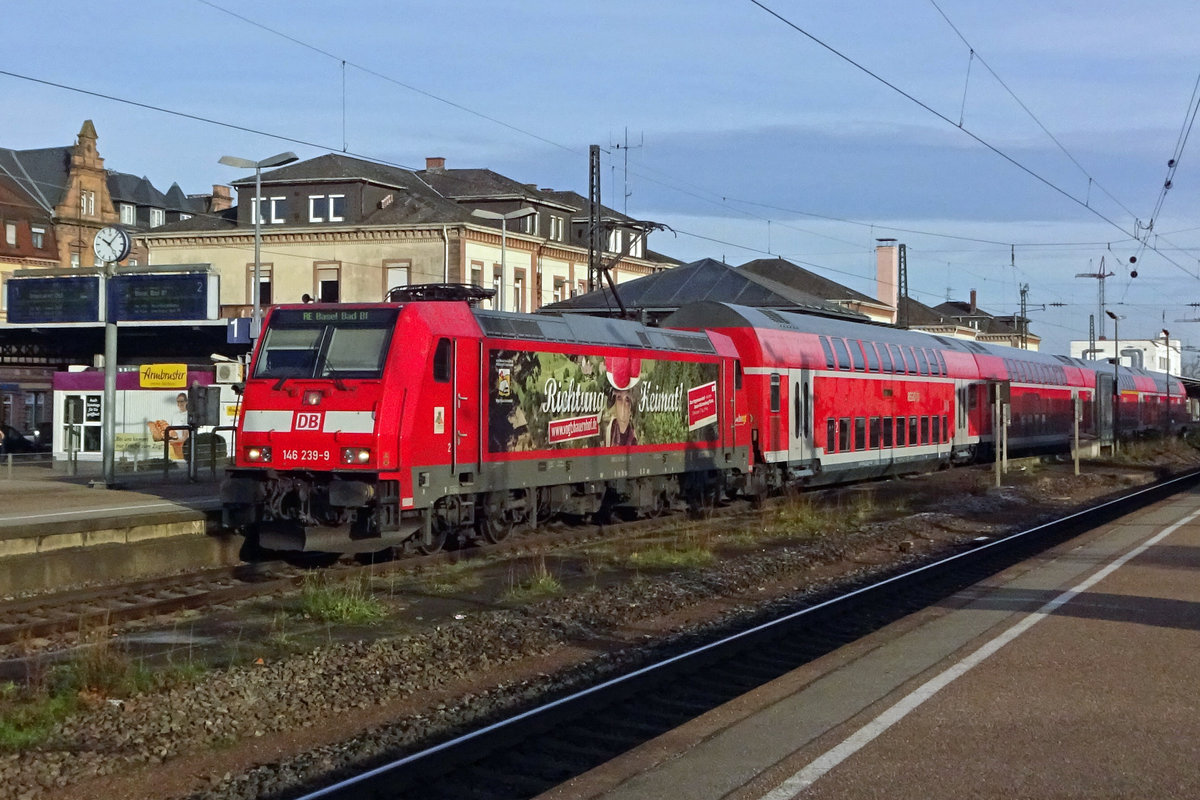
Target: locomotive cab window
(441,361)
(334,344)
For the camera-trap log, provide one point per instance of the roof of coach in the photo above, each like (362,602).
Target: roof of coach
(589,330)
(728,315)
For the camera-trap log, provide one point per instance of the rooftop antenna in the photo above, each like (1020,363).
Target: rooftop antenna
(625,148)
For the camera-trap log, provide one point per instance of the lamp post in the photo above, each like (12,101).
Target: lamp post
(504,218)
(1167,342)
(256,210)
(1116,377)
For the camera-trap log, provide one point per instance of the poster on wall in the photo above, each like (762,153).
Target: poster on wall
(540,401)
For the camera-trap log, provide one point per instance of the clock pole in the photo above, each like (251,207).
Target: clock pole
(111,245)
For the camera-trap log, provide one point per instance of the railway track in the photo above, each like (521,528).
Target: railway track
(109,606)
(547,743)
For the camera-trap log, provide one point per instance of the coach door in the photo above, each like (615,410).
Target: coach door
(1104,407)
(799,415)
(465,422)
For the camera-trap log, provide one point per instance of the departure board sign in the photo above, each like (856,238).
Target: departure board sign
(33,301)
(150,296)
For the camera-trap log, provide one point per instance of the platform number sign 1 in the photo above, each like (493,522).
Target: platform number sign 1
(308,421)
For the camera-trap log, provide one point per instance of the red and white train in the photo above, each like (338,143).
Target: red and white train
(371,426)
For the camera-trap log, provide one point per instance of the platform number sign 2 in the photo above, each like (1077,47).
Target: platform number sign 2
(308,421)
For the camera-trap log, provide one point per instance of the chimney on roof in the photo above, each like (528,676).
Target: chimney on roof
(221,198)
(973,304)
(887,274)
(435,163)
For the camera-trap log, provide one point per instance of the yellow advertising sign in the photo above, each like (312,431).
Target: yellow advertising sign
(162,376)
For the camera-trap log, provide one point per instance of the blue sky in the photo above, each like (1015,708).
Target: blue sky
(750,138)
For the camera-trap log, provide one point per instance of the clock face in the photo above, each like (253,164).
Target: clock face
(111,244)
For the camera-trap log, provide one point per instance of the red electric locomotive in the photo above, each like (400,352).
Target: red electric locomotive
(366,427)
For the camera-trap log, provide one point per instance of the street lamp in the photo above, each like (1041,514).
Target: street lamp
(504,218)
(256,210)
(1116,378)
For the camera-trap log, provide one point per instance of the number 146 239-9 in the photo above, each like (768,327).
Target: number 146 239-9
(306,455)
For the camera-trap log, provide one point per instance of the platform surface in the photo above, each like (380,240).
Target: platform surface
(1074,675)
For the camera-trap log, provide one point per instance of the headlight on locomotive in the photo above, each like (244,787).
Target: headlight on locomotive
(258,454)
(356,455)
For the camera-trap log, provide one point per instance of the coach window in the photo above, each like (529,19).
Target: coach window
(860,433)
(843,355)
(934,368)
(807,408)
(876,432)
(898,358)
(937,430)
(796,409)
(775,391)
(925,431)
(872,356)
(942,362)
(922,364)
(885,358)
(889,423)
(831,435)
(441,361)
(901,429)
(913,423)
(844,434)
(856,355)
(829,359)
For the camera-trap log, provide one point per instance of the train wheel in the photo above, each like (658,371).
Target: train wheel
(437,540)
(492,523)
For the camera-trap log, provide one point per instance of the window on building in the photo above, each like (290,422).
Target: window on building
(271,211)
(637,245)
(10,234)
(39,241)
(498,286)
(157,217)
(264,284)
(519,291)
(329,283)
(185,216)
(395,274)
(477,273)
(530,224)
(326,208)
(87,203)
(614,242)
(556,228)
(559,288)
(35,410)
(128,213)
(74,259)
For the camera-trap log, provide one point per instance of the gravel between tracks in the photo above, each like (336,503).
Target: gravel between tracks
(261,729)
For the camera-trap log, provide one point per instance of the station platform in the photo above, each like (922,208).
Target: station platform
(1073,675)
(58,530)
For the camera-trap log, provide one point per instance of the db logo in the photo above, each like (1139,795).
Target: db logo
(308,421)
